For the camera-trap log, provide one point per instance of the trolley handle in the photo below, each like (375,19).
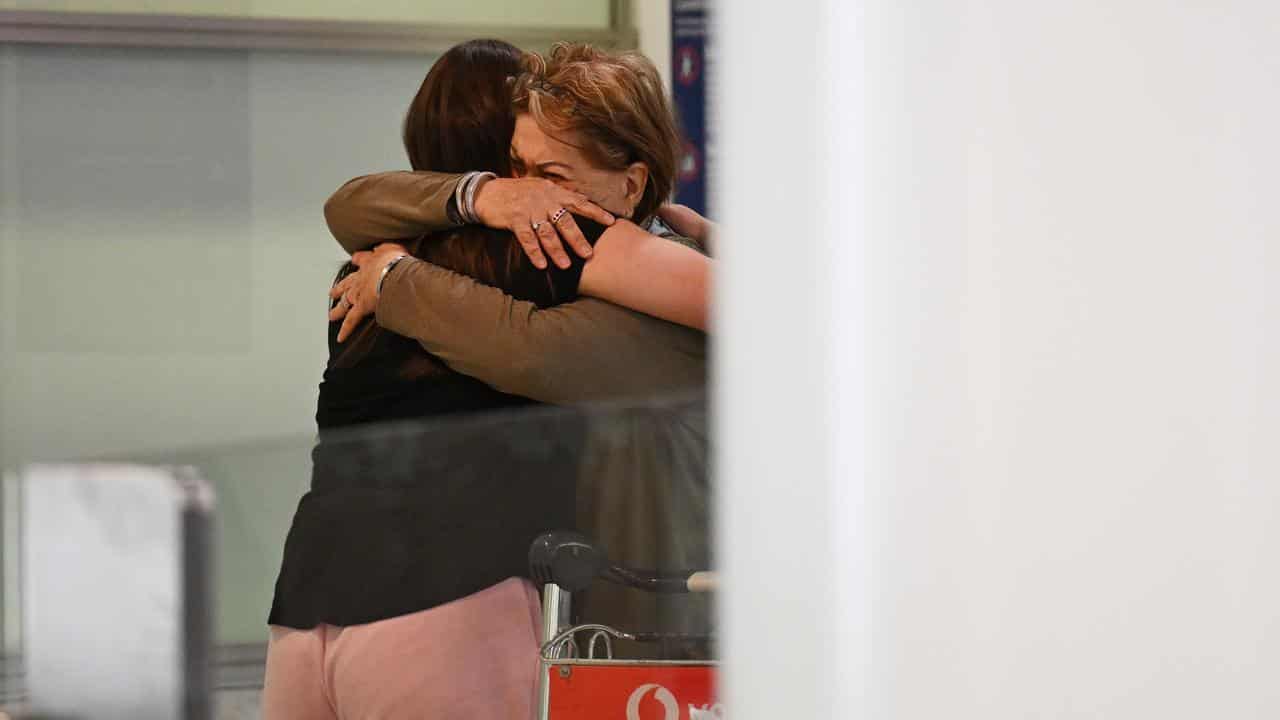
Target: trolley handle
(663,583)
(570,560)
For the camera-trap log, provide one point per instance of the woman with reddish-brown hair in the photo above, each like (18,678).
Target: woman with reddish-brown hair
(593,123)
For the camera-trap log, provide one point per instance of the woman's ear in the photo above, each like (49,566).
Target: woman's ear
(637,181)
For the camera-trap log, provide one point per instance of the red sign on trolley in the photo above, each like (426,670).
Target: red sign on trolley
(633,692)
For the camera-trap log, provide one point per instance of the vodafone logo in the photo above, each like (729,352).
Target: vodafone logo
(670,709)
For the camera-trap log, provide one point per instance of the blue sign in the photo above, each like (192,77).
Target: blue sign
(689,92)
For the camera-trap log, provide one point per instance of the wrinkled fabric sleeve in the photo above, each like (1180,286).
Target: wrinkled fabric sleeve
(372,209)
(583,351)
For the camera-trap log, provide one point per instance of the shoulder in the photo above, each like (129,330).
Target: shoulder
(687,242)
(660,229)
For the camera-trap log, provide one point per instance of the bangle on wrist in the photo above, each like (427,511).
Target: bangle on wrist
(459,215)
(468,209)
(451,210)
(386,269)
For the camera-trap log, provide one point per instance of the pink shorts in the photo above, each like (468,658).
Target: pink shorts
(474,658)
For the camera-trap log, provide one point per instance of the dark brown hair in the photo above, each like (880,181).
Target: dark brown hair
(615,102)
(460,120)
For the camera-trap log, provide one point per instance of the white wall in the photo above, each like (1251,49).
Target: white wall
(164,260)
(164,245)
(1022,431)
(652,20)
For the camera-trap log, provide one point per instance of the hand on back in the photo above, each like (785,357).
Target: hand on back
(358,293)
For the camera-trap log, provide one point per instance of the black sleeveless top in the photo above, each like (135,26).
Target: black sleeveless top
(407,516)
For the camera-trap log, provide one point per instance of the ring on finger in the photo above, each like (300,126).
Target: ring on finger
(536,226)
(558,214)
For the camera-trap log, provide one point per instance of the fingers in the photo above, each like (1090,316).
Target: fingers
(586,208)
(550,240)
(351,322)
(684,220)
(669,211)
(347,300)
(570,233)
(360,258)
(351,309)
(341,287)
(529,241)
(339,310)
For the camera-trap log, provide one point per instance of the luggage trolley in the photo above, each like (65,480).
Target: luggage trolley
(573,686)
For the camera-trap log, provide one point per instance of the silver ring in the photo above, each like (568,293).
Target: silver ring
(559,214)
(536,226)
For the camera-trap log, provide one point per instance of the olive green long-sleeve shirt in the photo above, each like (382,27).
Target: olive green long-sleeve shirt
(582,351)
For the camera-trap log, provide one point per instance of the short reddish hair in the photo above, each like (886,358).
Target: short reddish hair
(615,102)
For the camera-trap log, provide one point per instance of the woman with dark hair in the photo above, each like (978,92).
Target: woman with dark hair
(388,604)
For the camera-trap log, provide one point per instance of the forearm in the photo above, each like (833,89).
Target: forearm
(583,351)
(659,276)
(372,209)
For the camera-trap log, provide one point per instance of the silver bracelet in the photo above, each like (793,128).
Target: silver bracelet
(386,269)
(468,210)
(458,197)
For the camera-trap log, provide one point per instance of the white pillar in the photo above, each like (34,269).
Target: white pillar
(998,369)
(789,360)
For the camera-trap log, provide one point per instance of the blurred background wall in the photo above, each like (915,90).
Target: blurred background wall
(165,257)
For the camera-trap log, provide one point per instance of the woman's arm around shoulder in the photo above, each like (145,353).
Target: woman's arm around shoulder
(373,209)
(650,274)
